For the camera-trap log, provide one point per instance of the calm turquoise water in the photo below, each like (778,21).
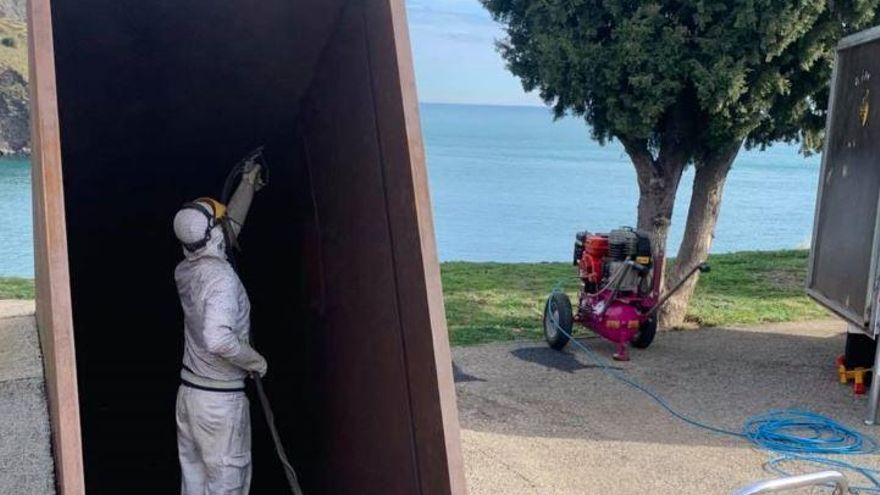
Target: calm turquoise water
(509,184)
(16,247)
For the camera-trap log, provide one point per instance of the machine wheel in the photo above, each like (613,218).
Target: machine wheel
(646,334)
(557,311)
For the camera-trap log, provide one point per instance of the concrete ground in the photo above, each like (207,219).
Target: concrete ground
(538,421)
(26,466)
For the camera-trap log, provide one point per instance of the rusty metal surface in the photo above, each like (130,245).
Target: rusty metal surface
(158,100)
(371,416)
(420,294)
(846,217)
(50,255)
(397,430)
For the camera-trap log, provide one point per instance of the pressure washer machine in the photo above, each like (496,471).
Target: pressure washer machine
(619,294)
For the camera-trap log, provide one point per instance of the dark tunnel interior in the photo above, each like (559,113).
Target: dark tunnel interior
(157,101)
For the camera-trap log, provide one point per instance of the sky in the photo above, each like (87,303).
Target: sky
(453,44)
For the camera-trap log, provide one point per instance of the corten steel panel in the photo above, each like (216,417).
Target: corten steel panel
(846,213)
(420,295)
(157,101)
(50,255)
(395,426)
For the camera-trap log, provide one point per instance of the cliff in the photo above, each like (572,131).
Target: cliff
(14,108)
(14,10)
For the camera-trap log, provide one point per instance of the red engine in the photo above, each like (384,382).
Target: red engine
(591,262)
(601,258)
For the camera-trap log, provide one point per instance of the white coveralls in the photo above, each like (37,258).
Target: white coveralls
(213,418)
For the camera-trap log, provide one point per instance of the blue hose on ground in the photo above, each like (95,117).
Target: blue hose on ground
(795,436)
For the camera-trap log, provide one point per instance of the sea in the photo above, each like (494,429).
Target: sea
(511,184)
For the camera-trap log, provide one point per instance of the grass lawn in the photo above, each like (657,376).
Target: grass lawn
(16,288)
(488,302)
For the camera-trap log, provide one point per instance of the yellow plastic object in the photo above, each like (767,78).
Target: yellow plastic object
(643,260)
(217,207)
(857,375)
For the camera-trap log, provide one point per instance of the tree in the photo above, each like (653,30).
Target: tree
(679,83)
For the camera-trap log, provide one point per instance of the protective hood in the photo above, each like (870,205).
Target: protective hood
(215,247)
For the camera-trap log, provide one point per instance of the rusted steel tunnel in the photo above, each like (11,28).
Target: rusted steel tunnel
(141,106)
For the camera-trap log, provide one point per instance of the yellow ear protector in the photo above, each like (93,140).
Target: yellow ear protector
(215,216)
(219,209)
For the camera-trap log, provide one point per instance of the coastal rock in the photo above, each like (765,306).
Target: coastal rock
(15,132)
(14,10)
(14,107)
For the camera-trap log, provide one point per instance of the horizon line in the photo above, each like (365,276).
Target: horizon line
(473,104)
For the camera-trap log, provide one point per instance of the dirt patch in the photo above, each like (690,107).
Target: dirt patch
(781,279)
(16,307)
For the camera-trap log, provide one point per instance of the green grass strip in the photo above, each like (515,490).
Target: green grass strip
(492,302)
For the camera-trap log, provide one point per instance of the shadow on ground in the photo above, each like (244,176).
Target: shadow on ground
(460,376)
(560,361)
(719,376)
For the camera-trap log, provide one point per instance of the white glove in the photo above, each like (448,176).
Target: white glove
(253,175)
(248,359)
(262,367)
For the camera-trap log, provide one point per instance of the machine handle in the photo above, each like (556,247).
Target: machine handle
(702,268)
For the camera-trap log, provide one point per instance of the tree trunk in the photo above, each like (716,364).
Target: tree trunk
(699,231)
(658,184)
(656,202)
(660,176)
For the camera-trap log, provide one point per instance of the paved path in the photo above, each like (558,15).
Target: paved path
(537,421)
(26,466)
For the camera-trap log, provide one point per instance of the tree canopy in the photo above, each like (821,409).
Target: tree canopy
(731,70)
(681,82)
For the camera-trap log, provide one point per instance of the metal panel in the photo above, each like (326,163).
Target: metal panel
(158,99)
(418,271)
(843,257)
(54,319)
(396,431)
(371,418)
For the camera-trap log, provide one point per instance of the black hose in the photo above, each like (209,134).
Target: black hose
(228,188)
(229,185)
(289,472)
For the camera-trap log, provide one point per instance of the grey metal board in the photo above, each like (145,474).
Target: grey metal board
(843,257)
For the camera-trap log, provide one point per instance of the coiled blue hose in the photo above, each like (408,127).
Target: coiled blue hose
(794,435)
(798,432)
(808,437)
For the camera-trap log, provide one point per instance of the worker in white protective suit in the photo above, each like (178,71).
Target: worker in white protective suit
(213,419)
